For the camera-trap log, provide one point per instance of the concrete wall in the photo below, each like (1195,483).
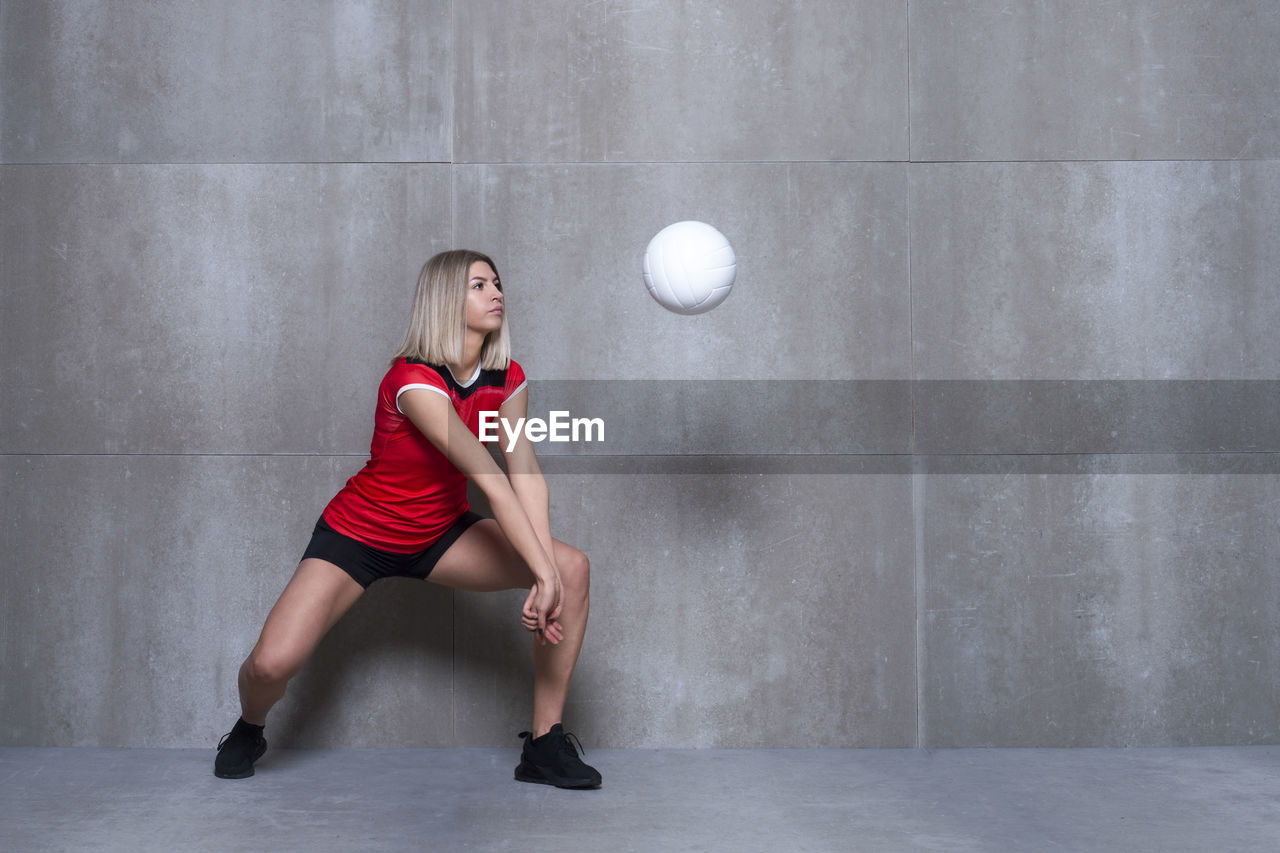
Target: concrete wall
(996,383)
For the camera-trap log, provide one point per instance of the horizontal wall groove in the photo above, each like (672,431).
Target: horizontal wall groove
(582,163)
(1220,463)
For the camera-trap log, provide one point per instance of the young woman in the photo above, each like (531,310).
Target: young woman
(405,514)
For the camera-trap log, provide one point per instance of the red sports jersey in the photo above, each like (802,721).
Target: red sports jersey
(409,493)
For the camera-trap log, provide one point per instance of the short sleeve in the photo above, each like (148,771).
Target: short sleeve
(407,376)
(515,380)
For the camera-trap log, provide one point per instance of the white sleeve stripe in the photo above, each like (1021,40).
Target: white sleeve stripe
(517,389)
(413,387)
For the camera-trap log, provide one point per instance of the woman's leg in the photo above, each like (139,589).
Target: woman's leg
(482,560)
(553,665)
(313,601)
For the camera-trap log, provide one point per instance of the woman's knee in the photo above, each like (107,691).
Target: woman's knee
(265,666)
(575,571)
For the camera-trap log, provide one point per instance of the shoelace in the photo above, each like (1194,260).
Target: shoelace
(563,743)
(566,743)
(224,740)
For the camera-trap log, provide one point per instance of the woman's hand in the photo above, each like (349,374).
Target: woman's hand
(541,613)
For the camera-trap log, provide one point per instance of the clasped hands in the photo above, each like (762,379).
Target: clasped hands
(541,612)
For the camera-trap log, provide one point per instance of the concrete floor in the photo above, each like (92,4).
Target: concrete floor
(782,801)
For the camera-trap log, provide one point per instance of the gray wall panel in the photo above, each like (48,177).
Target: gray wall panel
(1099,610)
(727,611)
(1096,271)
(821,280)
(1094,80)
(679,80)
(138,584)
(206,309)
(156,573)
(159,81)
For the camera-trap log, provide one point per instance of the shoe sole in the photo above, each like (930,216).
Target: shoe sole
(234,775)
(568,784)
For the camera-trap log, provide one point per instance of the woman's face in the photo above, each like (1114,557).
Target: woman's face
(484,298)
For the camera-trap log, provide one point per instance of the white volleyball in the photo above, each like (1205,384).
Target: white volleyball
(689,267)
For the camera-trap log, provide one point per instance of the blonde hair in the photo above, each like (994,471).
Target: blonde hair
(438,319)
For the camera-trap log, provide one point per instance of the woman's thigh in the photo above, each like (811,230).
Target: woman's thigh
(314,599)
(482,560)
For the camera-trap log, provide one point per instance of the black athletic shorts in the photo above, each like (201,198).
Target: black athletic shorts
(368,564)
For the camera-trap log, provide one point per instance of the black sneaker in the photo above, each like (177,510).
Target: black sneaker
(553,760)
(237,751)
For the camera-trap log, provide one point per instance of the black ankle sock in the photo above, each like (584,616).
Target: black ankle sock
(248,728)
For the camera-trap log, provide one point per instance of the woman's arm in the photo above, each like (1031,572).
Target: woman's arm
(525,475)
(435,418)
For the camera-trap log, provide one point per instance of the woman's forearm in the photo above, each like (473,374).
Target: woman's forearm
(534,497)
(520,530)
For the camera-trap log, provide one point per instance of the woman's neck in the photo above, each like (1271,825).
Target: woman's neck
(471,350)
